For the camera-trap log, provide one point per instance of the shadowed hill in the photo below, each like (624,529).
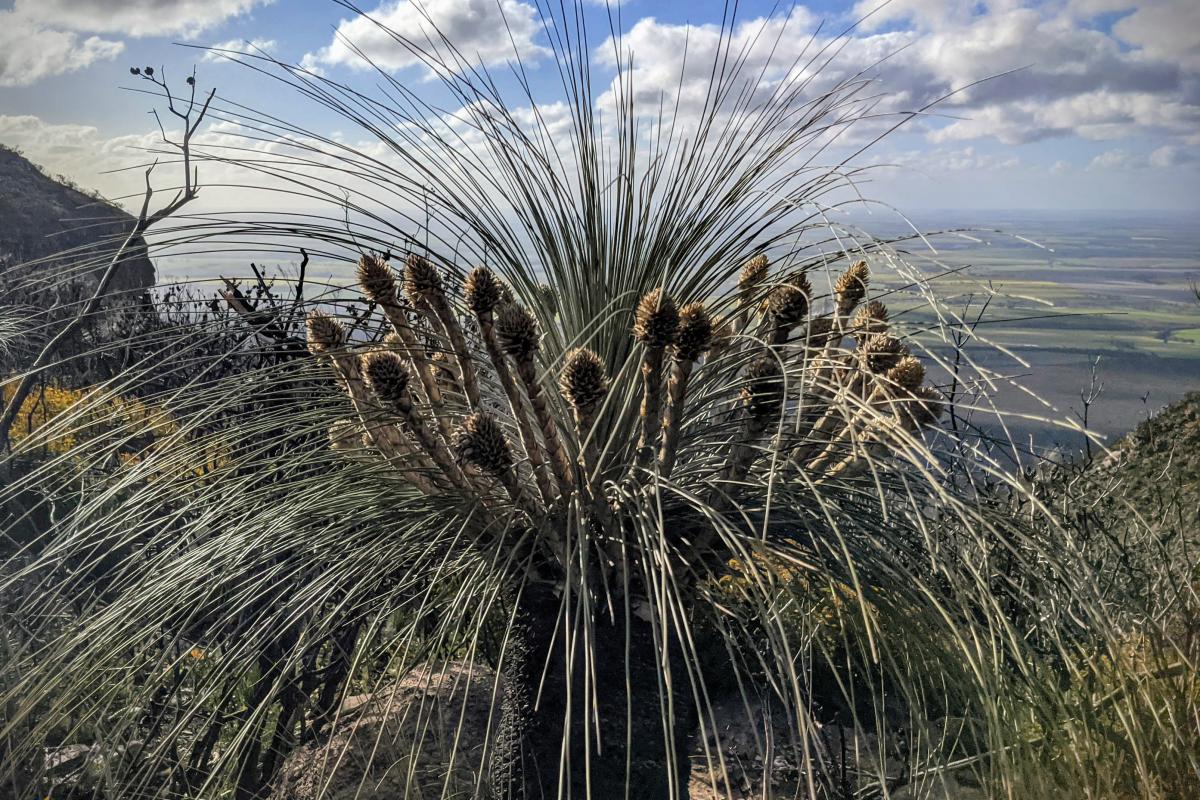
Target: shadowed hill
(50,230)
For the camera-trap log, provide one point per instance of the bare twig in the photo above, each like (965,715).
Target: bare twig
(145,221)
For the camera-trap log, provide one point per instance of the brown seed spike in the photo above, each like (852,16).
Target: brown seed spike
(882,352)
(376,279)
(548,297)
(695,333)
(324,332)
(506,295)
(480,441)
(787,305)
(851,287)
(656,320)
(908,374)
(421,278)
(345,437)
(387,376)
(517,330)
(763,393)
(871,318)
(584,381)
(926,407)
(753,273)
(482,291)
(818,332)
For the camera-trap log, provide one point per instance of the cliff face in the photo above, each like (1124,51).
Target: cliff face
(51,232)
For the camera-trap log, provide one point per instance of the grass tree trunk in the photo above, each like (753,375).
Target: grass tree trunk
(540,754)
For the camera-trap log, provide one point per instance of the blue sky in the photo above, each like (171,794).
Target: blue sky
(1104,112)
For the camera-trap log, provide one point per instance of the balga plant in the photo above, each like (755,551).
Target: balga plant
(603,538)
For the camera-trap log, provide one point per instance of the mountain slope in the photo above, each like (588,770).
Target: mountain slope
(50,231)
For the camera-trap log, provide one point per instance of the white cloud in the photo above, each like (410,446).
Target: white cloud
(1060,167)
(1070,78)
(186,18)
(29,52)
(487,31)
(230,50)
(43,38)
(1115,159)
(1171,156)
(963,159)
(1165,29)
(1164,157)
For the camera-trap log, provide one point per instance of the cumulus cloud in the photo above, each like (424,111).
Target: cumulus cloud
(1067,74)
(43,38)
(1164,29)
(1115,159)
(1171,156)
(1164,157)
(29,52)
(962,159)
(186,18)
(481,31)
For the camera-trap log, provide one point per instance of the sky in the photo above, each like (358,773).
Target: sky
(1091,104)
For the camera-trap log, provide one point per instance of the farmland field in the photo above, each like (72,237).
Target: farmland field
(1063,293)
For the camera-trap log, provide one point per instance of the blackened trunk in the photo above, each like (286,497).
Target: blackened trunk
(632,758)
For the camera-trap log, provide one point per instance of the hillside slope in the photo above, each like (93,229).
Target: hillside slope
(62,230)
(1156,467)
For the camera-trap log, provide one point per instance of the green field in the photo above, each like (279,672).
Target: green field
(1114,292)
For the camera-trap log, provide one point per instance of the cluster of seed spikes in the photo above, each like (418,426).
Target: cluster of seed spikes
(854,389)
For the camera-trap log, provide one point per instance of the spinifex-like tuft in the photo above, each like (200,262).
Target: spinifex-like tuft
(908,374)
(584,381)
(480,441)
(851,287)
(482,291)
(763,392)
(387,376)
(421,278)
(517,330)
(376,279)
(753,273)
(695,333)
(657,319)
(324,332)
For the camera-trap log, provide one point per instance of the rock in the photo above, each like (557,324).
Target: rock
(400,741)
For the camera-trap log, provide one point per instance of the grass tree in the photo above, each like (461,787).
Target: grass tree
(616,406)
(602,564)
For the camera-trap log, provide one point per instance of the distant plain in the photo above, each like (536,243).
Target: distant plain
(1066,292)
